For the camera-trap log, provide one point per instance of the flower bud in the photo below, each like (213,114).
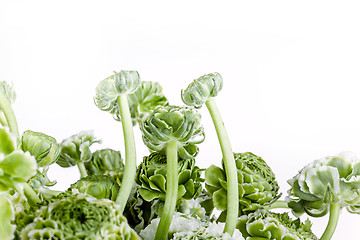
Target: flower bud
(44,148)
(201,89)
(126,81)
(167,123)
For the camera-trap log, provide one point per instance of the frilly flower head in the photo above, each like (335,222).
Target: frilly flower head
(108,90)
(167,123)
(76,217)
(104,160)
(325,181)
(98,186)
(151,177)
(77,149)
(256,182)
(44,148)
(267,225)
(126,81)
(187,227)
(201,89)
(145,99)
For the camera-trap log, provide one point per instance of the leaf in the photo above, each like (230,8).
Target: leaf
(220,199)
(19,165)
(7,142)
(213,174)
(6,215)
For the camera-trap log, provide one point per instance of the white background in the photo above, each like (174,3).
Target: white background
(291,73)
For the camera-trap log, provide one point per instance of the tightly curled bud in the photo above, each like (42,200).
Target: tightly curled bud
(104,160)
(151,177)
(256,181)
(167,123)
(44,148)
(325,181)
(106,94)
(126,81)
(77,149)
(201,89)
(267,225)
(145,97)
(98,186)
(8,90)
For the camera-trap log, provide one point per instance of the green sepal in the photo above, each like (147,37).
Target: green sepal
(8,142)
(7,214)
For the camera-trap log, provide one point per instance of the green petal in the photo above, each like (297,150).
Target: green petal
(19,165)
(212,176)
(6,215)
(157,182)
(148,195)
(8,142)
(220,199)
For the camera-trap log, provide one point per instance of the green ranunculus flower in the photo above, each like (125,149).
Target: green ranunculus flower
(328,180)
(104,160)
(151,177)
(201,89)
(263,224)
(98,186)
(126,82)
(145,99)
(256,181)
(44,148)
(76,217)
(187,227)
(167,123)
(76,149)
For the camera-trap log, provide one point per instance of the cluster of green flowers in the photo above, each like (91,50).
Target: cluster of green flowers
(166,196)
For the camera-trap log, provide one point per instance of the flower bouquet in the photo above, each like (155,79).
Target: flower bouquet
(166,195)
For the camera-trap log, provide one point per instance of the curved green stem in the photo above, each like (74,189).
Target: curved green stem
(230,168)
(172,183)
(5,106)
(50,192)
(130,153)
(333,220)
(30,194)
(82,169)
(2,119)
(277,204)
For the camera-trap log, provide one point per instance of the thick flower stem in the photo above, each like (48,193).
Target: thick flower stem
(230,168)
(3,121)
(172,182)
(130,152)
(30,194)
(5,106)
(333,220)
(82,169)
